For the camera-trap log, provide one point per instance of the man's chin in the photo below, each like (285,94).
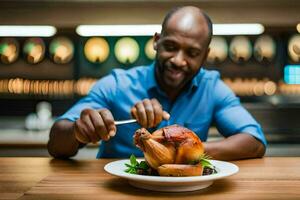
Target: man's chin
(172,83)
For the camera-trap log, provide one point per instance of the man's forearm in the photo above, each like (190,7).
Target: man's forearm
(236,147)
(62,142)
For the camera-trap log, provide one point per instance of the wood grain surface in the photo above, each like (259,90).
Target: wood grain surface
(46,178)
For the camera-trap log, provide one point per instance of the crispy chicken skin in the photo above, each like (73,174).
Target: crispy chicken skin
(171,150)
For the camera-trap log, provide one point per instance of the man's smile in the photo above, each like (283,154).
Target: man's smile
(174,74)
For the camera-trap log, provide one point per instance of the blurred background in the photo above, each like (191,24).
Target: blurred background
(53,51)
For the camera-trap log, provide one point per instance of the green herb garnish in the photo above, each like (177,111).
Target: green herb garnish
(204,161)
(136,167)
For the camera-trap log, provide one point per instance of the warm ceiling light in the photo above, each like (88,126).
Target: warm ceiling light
(240,49)
(118,30)
(61,50)
(96,50)
(149,49)
(238,29)
(294,48)
(34,50)
(9,50)
(218,50)
(27,31)
(264,48)
(127,50)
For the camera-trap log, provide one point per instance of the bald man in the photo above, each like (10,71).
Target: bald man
(175,89)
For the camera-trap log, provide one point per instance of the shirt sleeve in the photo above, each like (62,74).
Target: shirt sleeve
(100,96)
(231,117)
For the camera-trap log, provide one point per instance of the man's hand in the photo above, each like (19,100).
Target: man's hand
(149,113)
(94,125)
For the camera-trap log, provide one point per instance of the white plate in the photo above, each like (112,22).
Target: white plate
(171,184)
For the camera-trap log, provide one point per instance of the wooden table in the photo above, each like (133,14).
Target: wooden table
(46,178)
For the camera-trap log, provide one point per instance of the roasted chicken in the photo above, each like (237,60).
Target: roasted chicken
(172,150)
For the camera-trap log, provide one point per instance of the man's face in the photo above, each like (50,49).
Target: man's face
(180,55)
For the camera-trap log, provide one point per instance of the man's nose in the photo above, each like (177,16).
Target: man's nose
(179,59)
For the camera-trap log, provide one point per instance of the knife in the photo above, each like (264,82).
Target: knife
(127,121)
(166,116)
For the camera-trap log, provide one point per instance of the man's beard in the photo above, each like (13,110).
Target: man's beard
(171,76)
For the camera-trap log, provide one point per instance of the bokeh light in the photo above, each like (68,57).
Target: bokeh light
(9,50)
(61,50)
(240,49)
(149,50)
(96,50)
(218,50)
(34,50)
(127,50)
(264,48)
(294,48)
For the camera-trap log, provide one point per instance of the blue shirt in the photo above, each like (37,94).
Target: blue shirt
(207,99)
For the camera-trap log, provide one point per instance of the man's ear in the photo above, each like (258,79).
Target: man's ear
(156,37)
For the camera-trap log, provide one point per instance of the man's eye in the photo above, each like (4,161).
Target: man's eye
(170,47)
(193,53)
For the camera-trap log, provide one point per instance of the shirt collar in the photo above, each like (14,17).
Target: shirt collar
(152,83)
(197,79)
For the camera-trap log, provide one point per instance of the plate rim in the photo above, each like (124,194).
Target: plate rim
(167,179)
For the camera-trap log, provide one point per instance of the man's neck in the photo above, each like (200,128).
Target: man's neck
(172,93)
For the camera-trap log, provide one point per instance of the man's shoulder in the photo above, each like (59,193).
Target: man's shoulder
(131,71)
(207,77)
(209,74)
(134,73)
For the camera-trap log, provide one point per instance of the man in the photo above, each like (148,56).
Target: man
(174,84)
